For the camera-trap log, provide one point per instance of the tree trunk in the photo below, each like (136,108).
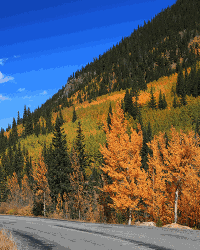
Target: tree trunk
(176,204)
(129,221)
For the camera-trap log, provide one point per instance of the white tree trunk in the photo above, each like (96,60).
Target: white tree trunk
(129,221)
(44,204)
(176,205)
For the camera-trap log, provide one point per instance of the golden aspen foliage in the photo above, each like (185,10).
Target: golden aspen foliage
(77,185)
(59,206)
(122,163)
(180,160)
(41,183)
(15,192)
(158,196)
(27,193)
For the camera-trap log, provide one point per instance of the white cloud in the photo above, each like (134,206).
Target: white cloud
(3,98)
(20,89)
(5,79)
(16,56)
(25,97)
(2,61)
(43,93)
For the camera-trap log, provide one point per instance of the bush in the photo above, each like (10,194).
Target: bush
(12,211)
(159,223)
(38,208)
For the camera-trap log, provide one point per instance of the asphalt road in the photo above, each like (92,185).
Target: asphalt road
(38,233)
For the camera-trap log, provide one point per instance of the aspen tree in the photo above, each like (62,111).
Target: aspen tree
(41,187)
(180,160)
(122,163)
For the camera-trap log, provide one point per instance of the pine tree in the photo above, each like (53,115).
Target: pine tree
(24,116)
(180,83)
(61,117)
(108,117)
(160,101)
(29,124)
(18,163)
(152,102)
(59,167)
(175,104)
(74,115)
(18,119)
(13,135)
(164,102)
(79,147)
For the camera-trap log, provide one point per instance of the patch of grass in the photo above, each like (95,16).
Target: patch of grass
(6,241)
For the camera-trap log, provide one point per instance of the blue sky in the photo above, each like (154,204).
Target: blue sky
(43,42)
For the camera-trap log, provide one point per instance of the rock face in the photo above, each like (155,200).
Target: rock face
(150,224)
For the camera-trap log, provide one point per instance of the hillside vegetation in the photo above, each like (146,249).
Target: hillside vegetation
(150,82)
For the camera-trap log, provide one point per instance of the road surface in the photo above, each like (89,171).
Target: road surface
(50,234)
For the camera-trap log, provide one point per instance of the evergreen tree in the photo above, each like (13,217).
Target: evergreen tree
(79,147)
(28,170)
(18,119)
(164,102)
(29,124)
(13,135)
(74,116)
(61,117)
(108,117)
(180,83)
(160,101)
(59,167)
(175,104)
(152,102)
(49,126)
(18,163)
(24,116)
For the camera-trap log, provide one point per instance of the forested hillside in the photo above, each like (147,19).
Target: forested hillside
(102,148)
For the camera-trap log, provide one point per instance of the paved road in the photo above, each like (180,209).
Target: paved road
(50,234)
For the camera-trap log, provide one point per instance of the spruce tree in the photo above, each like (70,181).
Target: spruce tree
(61,117)
(175,104)
(108,117)
(79,147)
(13,135)
(18,119)
(164,101)
(18,163)
(180,83)
(160,101)
(74,115)
(59,167)
(152,102)
(29,124)
(24,116)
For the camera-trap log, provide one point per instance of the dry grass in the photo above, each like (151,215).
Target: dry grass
(6,241)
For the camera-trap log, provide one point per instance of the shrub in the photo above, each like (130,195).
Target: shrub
(159,223)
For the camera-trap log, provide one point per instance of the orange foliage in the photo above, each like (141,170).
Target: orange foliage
(41,183)
(181,164)
(123,161)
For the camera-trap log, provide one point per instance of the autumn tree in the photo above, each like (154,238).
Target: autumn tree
(14,196)
(179,161)
(40,186)
(26,192)
(77,181)
(123,161)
